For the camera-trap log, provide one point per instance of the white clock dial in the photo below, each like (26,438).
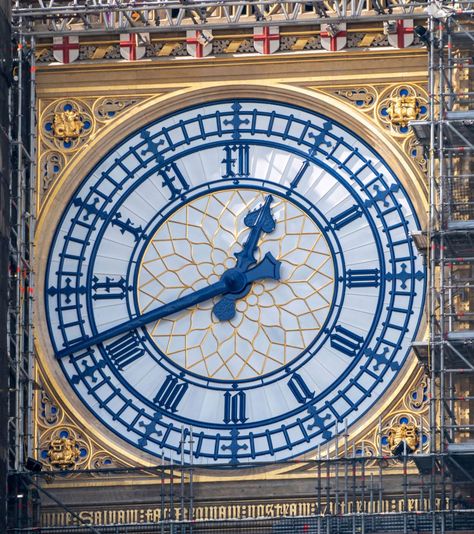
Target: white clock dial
(242,267)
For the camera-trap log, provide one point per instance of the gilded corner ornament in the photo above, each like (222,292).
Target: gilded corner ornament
(403,109)
(67,125)
(400,104)
(63,452)
(403,438)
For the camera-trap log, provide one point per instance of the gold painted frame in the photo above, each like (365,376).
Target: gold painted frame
(147,111)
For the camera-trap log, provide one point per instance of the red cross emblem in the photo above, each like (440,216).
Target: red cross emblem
(130,47)
(199,43)
(403,35)
(334,38)
(66,49)
(268,41)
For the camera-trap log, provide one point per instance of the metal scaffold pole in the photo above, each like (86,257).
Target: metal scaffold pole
(21,284)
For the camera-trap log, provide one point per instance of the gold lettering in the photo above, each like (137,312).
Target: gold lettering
(293,509)
(235,513)
(269,510)
(279,509)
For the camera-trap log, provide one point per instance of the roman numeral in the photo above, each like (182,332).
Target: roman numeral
(234,407)
(296,180)
(236,161)
(346,341)
(125,350)
(346,217)
(299,389)
(363,278)
(110,288)
(174,180)
(170,393)
(127,226)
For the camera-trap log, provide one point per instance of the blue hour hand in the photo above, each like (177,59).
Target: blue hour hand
(259,221)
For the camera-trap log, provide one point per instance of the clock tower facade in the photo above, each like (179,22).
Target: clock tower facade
(227,284)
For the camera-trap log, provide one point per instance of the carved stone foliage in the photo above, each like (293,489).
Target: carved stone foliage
(363,98)
(417,152)
(65,127)
(108,108)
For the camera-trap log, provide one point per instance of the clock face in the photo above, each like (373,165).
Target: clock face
(240,271)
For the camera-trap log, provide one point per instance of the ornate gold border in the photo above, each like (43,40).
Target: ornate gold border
(148,111)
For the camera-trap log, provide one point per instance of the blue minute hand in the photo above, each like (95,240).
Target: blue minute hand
(259,220)
(232,281)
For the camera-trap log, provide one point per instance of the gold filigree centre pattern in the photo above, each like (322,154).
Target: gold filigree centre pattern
(275,321)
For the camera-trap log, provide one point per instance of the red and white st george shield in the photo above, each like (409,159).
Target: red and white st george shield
(333,37)
(402,34)
(199,43)
(266,40)
(66,49)
(133,45)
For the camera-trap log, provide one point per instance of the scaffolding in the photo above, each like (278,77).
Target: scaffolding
(21,283)
(445,485)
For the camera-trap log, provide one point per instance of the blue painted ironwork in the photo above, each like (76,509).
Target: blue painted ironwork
(170,393)
(150,428)
(259,221)
(236,161)
(234,407)
(319,422)
(109,288)
(67,290)
(346,217)
(300,389)
(125,350)
(382,359)
(363,278)
(89,370)
(381,195)
(346,341)
(234,447)
(236,121)
(404,276)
